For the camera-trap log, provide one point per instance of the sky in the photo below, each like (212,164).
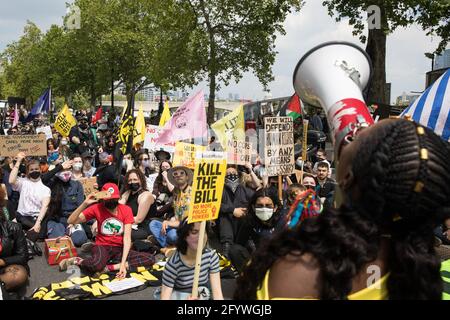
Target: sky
(406,64)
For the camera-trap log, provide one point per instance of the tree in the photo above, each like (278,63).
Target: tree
(231,37)
(21,73)
(432,15)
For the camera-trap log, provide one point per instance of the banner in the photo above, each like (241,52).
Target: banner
(185,154)
(189,121)
(238,152)
(230,127)
(31,145)
(88,185)
(151,135)
(139,127)
(279,146)
(65,121)
(207,186)
(47,130)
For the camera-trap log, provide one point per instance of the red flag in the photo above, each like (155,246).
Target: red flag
(98,115)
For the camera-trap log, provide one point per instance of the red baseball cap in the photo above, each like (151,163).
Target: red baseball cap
(113,189)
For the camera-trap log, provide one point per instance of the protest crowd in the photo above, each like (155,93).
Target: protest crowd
(121,207)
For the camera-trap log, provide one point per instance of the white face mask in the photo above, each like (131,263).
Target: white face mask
(64,142)
(77,166)
(264,214)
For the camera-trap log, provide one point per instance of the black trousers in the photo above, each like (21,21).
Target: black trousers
(228,227)
(141,233)
(28,222)
(239,256)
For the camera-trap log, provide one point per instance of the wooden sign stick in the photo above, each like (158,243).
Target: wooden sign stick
(198,260)
(280,188)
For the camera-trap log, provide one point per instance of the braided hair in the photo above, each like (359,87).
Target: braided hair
(404,173)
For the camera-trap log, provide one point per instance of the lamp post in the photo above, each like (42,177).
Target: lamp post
(161,104)
(430,55)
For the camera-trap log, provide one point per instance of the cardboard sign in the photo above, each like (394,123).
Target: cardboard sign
(47,130)
(151,181)
(88,185)
(65,121)
(305,139)
(279,146)
(207,186)
(31,145)
(185,154)
(239,152)
(151,135)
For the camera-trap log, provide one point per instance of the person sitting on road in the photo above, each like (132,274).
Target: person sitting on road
(34,197)
(166,232)
(14,270)
(67,195)
(140,200)
(112,249)
(178,273)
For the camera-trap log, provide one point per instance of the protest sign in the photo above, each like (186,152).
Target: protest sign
(88,185)
(151,181)
(207,186)
(31,145)
(152,135)
(279,146)
(238,152)
(185,154)
(65,121)
(47,130)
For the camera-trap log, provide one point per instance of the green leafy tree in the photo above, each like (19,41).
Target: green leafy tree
(231,37)
(432,15)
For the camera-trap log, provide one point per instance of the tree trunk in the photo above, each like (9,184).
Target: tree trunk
(376,49)
(212,97)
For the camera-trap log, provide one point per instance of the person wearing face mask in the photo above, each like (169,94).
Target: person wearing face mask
(112,250)
(34,197)
(162,190)
(178,272)
(64,149)
(264,218)
(77,167)
(82,137)
(235,199)
(67,194)
(88,168)
(140,200)
(106,172)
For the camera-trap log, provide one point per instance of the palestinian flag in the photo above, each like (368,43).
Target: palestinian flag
(292,108)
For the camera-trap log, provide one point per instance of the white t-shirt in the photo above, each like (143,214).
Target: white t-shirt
(89,173)
(31,196)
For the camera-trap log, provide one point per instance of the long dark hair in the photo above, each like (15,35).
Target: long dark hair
(55,206)
(2,203)
(141,178)
(406,194)
(263,193)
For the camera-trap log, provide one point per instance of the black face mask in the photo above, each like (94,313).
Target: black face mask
(111,205)
(134,186)
(34,175)
(232,177)
(83,126)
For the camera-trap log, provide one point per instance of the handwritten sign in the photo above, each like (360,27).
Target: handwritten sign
(31,145)
(279,146)
(185,154)
(47,130)
(239,152)
(88,185)
(207,186)
(151,135)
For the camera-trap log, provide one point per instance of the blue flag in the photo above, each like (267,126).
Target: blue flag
(41,106)
(432,108)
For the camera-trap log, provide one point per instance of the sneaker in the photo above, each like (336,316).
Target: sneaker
(86,248)
(63,265)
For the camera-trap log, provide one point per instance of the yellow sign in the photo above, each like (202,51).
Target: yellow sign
(185,154)
(207,186)
(65,121)
(230,127)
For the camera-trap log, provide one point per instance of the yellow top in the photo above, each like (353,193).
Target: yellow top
(376,291)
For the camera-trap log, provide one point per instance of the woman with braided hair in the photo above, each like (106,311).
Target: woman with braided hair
(395,179)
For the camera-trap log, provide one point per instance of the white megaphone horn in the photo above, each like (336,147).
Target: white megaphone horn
(333,75)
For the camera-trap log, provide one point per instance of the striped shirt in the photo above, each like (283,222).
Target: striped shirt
(179,276)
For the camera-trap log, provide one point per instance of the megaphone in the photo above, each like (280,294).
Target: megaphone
(333,76)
